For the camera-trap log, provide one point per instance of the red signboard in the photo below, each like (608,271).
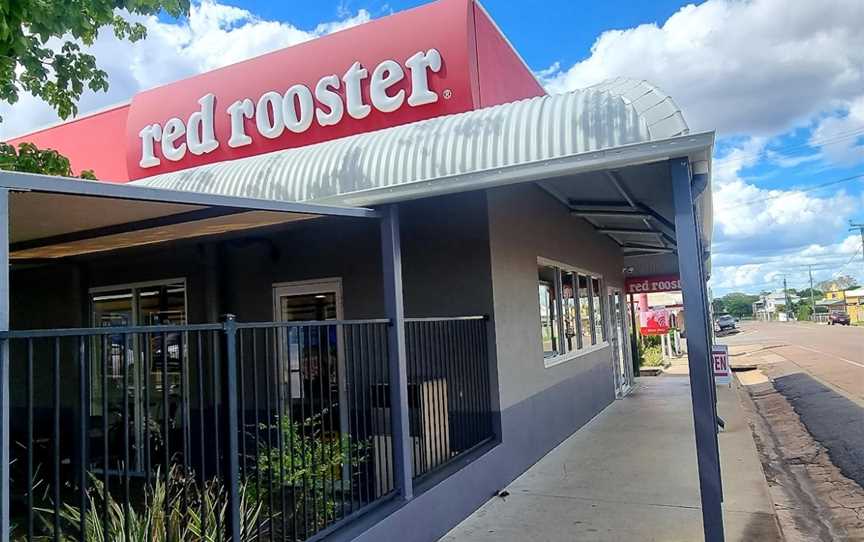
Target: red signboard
(654,322)
(647,285)
(438,59)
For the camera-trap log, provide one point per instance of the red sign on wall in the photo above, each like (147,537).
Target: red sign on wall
(654,322)
(648,285)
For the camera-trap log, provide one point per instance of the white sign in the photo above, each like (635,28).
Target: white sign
(720,364)
(294,109)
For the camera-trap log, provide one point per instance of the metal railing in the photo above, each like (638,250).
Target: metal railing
(230,431)
(448,389)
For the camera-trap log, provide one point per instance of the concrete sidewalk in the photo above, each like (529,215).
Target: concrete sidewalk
(630,474)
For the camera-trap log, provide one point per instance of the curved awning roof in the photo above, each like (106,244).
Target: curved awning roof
(387,165)
(610,126)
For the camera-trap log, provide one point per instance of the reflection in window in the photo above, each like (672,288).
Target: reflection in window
(123,355)
(585,311)
(572,315)
(549,317)
(597,305)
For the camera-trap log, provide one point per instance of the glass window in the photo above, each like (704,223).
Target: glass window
(599,311)
(549,317)
(585,311)
(570,313)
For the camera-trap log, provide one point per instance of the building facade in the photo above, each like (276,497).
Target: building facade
(364,293)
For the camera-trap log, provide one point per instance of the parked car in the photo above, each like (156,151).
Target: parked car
(838,317)
(725,321)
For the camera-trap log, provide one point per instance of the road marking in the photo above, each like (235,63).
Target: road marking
(849,361)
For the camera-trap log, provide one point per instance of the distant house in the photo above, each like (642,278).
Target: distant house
(772,306)
(854,304)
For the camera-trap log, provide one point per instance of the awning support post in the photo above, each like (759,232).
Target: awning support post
(698,349)
(4,366)
(391,252)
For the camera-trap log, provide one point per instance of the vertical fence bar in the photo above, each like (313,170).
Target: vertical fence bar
(82,436)
(29,439)
(257,448)
(126,493)
(232,467)
(282,355)
(4,367)
(269,426)
(105,461)
(146,357)
(56,401)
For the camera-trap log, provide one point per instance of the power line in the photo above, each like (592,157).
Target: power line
(836,138)
(796,191)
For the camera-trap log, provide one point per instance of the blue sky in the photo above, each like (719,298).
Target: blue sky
(781,82)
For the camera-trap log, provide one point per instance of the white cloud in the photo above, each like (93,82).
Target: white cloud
(214,35)
(841,137)
(767,272)
(754,67)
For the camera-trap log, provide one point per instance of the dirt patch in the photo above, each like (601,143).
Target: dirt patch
(814,501)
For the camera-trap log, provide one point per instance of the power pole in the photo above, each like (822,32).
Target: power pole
(786,296)
(860,227)
(812,302)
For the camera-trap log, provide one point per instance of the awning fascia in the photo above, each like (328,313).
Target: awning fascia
(15,181)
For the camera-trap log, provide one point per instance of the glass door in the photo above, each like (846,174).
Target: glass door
(618,338)
(118,381)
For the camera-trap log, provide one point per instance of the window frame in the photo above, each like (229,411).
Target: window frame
(581,348)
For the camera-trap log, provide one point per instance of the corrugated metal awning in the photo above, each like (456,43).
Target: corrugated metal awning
(387,165)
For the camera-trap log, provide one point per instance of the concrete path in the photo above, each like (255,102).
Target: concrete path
(630,474)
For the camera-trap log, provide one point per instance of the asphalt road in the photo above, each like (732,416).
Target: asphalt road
(819,369)
(832,354)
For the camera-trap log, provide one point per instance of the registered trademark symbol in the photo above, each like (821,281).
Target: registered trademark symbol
(447,93)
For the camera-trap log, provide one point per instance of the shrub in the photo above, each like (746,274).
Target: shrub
(652,356)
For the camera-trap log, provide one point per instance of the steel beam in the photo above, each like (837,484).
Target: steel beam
(391,252)
(627,231)
(698,350)
(637,215)
(4,366)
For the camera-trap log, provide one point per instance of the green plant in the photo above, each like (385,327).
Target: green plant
(308,465)
(176,510)
(652,356)
(30,159)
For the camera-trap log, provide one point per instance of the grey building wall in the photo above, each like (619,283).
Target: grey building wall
(539,406)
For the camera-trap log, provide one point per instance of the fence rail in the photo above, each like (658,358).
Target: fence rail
(242,431)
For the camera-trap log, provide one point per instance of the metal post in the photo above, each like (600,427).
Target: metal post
(232,457)
(4,366)
(698,353)
(391,252)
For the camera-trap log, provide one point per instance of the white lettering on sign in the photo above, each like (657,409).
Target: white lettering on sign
(635,286)
(294,110)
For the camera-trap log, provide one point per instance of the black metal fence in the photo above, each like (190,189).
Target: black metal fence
(250,431)
(448,389)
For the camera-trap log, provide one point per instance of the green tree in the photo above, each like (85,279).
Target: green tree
(29,159)
(739,304)
(59,71)
(803,310)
